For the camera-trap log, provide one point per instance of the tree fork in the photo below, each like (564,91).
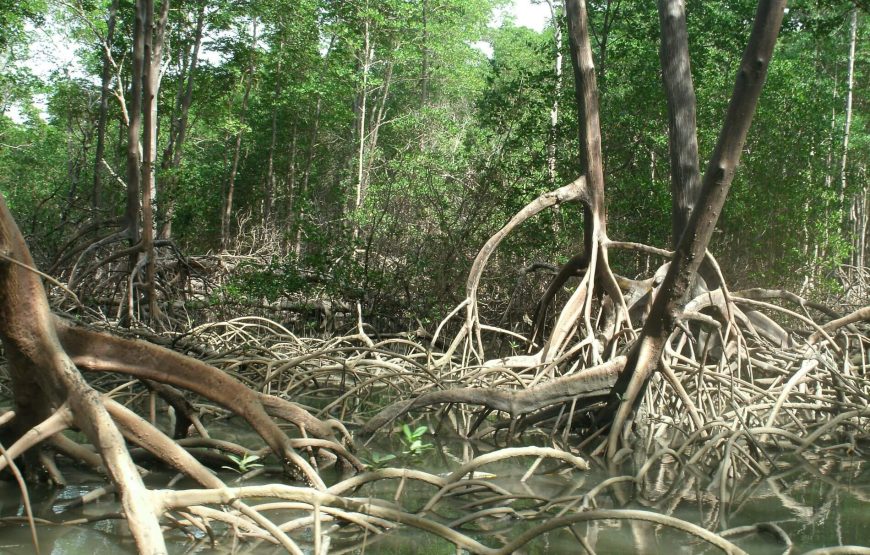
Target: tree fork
(644,357)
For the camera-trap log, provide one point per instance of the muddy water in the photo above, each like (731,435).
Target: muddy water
(818,503)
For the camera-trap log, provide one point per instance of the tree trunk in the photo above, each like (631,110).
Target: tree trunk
(850,83)
(270,174)
(682,132)
(554,110)
(362,113)
(306,177)
(102,117)
(227,213)
(611,10)
(841,190)
(154,37)
(586,93)
(378,118)
(668,303)
(178,131)
(134,175)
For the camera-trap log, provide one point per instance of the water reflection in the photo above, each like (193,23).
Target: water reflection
(811,502)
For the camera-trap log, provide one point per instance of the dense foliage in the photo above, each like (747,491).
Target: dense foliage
(374,146)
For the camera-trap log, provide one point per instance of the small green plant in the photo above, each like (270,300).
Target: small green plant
(413,440)
(244,463)
(379,461)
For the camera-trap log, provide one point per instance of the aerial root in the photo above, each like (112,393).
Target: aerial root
(588,383)
(735,388)
(99,352)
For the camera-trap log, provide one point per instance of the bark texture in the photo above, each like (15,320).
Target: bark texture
(682,133)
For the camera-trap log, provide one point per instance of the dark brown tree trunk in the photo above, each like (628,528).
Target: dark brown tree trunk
(682,132)
(644,357)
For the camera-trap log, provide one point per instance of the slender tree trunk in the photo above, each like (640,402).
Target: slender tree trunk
(377,120)
(306,176)
(102,117)
(270,174)
(291,174)
(820,251)
(682,132)
(298,219)
(586,92)
(850,84)
(72,172)
(862,227)
(611,10)
(154,37)
(362,114)
(134,175)
(226,216)
(554,109)
(178,133)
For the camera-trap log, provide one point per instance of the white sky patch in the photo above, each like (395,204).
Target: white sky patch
(49,53)
(525,13)
(483,46)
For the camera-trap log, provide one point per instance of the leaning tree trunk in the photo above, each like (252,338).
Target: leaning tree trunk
(44,378)
(670,300)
